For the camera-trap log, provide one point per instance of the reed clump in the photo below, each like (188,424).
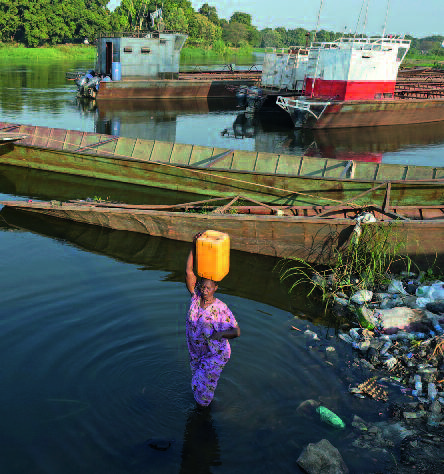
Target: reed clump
(363,263)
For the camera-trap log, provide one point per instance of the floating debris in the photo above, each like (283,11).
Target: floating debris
(373,390)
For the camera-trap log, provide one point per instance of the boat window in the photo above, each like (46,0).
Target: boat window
(388,95)
(163,41)
(366,57)
(127,49)
(378,95)
(145,50)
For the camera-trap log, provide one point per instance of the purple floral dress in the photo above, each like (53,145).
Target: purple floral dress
(207,356)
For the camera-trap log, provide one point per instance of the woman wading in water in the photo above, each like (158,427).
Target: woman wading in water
(209,325)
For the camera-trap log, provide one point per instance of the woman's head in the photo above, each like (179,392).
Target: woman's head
(207,288)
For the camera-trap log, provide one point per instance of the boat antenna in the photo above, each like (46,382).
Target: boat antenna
(359,18)
(386,16)
(319,17)
(364,4)
(366,16)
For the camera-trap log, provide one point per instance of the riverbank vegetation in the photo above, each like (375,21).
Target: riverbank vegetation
(19,52)
(37,23)
(362,263)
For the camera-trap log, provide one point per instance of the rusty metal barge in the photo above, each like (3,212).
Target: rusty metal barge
(145,65)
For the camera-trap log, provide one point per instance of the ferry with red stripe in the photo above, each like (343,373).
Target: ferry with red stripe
(352,82)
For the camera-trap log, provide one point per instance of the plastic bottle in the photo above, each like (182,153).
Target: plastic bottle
(385,347)
(418,385)
(424,291)
(329,417)
(438,291)
(438,328)
(431,390)
(213,255)
(433,420)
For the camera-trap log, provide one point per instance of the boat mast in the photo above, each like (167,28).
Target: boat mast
(319,17)
(386,16)
(364,3)
(319,52)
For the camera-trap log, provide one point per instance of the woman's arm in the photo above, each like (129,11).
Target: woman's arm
(226,334)
(190,277)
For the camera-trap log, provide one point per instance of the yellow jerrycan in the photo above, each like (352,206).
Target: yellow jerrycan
(213,255)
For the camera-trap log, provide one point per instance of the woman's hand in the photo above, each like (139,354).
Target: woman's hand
(196,237)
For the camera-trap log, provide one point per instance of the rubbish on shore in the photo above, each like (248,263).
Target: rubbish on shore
(396,287)
(373,390)
(431,391)
(311,335)
(414,415)
(362,296)
(329,417)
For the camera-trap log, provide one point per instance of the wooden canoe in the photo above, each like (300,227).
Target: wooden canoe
(309,232)
(210,171)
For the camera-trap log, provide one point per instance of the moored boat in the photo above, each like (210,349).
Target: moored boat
(352,82)
(145,65)
(313,233)
(211,171)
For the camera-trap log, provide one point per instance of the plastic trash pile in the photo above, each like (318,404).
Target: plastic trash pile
(401,333)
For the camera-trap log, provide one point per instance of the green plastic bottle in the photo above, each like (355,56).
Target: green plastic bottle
(329,417)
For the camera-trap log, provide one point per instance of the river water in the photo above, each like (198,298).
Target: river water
(94,360)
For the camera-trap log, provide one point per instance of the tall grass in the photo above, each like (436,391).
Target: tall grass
(57,52)
(363,263)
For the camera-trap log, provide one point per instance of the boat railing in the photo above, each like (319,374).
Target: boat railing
(367,43)
(315,108)
(139,34)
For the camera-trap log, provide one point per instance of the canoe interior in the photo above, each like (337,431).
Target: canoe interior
(213,158)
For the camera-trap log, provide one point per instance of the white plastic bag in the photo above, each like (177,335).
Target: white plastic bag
(396,287)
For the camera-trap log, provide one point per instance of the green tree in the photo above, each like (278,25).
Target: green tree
(202,31)
(240,17)
(271,38)
(38,22)
(297,37)
(210,13)
(176,20)
(235,33)
(10,21)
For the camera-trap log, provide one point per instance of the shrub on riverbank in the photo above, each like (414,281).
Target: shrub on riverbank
(362,263)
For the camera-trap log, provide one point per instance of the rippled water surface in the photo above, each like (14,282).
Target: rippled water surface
(94,360)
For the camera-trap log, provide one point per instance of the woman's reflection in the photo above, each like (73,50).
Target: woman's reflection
(200,445)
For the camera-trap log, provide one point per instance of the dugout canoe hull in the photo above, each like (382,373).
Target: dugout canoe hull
(210,171)
(299,232)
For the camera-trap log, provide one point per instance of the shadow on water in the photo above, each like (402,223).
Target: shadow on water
(200,450)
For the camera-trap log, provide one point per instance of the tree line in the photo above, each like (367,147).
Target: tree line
(49,22)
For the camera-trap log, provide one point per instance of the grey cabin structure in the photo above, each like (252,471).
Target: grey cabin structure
(150,55)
